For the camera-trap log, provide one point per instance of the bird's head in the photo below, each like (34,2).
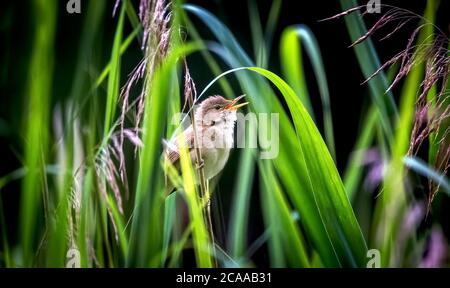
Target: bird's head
(216,110)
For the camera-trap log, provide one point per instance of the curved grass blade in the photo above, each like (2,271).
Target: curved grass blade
(292,40)
(324,181)
(425,170)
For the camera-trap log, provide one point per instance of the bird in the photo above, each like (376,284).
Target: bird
(214,122)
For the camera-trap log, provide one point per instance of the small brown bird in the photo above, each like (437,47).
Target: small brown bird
(215,119)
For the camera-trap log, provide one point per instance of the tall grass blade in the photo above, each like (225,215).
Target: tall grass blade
(288,246)
(259,45)
(202,244)
(6,253)
(112,95)
(36,126)
(354,171)
(369,63)
(241,203)
(292,40)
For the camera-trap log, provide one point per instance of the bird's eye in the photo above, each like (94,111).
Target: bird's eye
(213,123)
(217,107)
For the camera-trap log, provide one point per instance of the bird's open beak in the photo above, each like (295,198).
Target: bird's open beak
(231,106)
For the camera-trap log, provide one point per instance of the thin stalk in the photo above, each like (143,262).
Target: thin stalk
(204,191)
(208,221)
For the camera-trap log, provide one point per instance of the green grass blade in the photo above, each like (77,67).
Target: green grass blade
(134,18)
(223,34)
(425,170)
(137,32)
(146,227)
(285,233)
(112,95)
(95,12)
(88,219)
(241,203)
(369,63)
(169,221)
(259,45)
(324,181)
(120,225)
(123,47)
(353,173)
(6,253)
(37,123)
(202,243)
(291,57)
(290,49)
(271,25)
(209,59)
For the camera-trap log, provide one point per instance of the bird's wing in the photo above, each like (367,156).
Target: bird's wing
(173,156)
(172,149)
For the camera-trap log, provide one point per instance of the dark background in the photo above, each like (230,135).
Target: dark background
(343,73)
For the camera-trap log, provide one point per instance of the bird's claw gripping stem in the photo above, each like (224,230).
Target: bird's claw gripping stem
(200,164)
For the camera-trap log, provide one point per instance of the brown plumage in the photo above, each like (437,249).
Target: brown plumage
(214,122)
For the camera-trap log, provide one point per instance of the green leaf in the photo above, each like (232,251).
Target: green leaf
(291,59)
(324,182)
(112,94)
(369,63)
(241,201)
(287,242)
(39,89)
